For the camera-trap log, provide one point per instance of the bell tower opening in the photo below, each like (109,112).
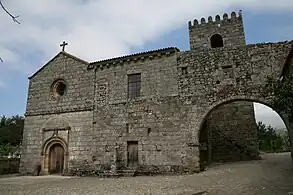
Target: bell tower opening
(216,41)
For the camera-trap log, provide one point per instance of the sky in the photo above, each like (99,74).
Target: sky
(100,29)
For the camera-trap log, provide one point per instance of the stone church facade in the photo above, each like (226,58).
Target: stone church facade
(159,111)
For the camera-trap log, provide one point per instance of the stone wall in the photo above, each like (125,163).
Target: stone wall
(158,77)
(222,75)
(231,122)
(9,165)
(79,83)
(38,129)
(153,119)
(215,74)
(156,124)
(70,115)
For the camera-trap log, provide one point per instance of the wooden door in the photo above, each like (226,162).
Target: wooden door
(132,153)
(56,159)
(204,146)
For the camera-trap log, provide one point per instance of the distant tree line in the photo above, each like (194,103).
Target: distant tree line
(272,140)
(11,129)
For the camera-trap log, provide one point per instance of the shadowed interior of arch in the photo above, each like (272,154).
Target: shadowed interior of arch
(216,41)
(232,131)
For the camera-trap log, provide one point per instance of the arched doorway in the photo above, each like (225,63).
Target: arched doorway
(55,156)
(204,141)
(56,159)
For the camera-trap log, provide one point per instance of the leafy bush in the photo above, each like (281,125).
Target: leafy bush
(270,140)
(11,129)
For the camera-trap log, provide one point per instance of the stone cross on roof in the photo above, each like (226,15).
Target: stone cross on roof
(63,45)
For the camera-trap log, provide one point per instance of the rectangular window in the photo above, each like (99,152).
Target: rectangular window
(134,83)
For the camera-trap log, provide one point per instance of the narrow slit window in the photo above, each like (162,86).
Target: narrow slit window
(127,128)
(184,71)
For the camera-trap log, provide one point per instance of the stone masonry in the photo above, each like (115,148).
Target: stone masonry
(176,119)
(234,121)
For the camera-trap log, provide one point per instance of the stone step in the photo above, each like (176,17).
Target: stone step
(119,173)
(127,172)
(109,174)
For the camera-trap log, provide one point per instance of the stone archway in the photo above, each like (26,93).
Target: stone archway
(218,103)
(217,76)
(202,134)
(54,152)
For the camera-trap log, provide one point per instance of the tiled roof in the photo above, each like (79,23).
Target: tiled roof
(130,57)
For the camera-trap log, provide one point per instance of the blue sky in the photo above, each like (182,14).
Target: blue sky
(93,34)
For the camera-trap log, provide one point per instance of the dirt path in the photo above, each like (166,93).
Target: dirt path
(271,176)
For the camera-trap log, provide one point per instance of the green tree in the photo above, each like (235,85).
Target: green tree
(11,129)
(269,140)
(281,93)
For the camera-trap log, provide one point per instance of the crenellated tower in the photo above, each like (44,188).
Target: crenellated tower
(225,32)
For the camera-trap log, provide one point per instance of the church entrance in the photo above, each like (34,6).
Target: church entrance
(56,156)
(132,153)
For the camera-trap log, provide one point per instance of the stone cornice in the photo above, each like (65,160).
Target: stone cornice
(57,112)
(57,129)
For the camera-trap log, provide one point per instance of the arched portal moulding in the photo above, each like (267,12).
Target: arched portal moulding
(218,103)
(46,151)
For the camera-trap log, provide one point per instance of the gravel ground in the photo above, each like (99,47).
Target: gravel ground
(271,176)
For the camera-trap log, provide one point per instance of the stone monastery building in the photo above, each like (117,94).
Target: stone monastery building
(158,111)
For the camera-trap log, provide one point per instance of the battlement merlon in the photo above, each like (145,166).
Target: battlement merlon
(233,17)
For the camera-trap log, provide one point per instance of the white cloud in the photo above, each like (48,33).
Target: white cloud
(99,29)
(268,116)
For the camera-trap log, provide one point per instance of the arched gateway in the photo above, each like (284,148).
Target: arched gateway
(250,151)
(216,77)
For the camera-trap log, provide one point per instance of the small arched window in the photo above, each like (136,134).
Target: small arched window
(217,41)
